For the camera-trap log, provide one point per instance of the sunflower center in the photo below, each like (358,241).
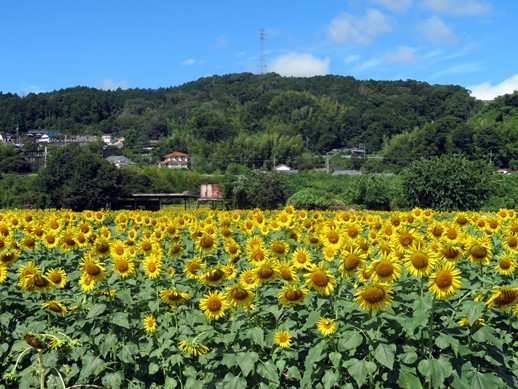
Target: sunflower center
(206,242)
(56,278)
(239,294)
(419,260)
(405,239)
(214,305)
(265,273)
(320,278)
(301,257)
(54,307)
(40,281)
(437,231)
(443,280)
(279,248)
(151,267)
(28,242)
(333,237)
(122,266)
(69,241)
(451,234)
(351,262)
(286,274)
(352,232)
(50,239)
(478,251)
(294,295)
(119,250)
(506,297)
(512,242)
(450,252)
(258,255)
(146,246)
(374,294)
(92,269)
(462,220)
(384,269)
(215,275)
(504,264)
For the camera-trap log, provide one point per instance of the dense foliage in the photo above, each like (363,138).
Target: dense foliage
(252,120)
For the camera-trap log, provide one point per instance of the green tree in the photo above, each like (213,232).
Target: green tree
(447,183)
(78,179)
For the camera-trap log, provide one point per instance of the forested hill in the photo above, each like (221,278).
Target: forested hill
(247,118)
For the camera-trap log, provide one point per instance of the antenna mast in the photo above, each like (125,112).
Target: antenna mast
(262,64)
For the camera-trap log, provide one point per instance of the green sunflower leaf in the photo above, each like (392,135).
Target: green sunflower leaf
(96,310)
(384,354)
(360,370)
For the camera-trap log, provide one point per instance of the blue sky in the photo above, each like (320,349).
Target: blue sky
(109,44)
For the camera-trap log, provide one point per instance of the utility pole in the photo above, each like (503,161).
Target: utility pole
(262,64)
(327,163)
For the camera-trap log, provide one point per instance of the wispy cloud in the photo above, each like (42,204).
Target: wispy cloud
(436,31)
(108,84)
(394,5)
(347,29)
(486,91)
(457,7)
(220,43)
(189,62)
(299,65)
(460,69)
(403,54)
(366,65)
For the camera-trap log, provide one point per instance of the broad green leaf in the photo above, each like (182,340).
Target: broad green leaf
(484,381)
(353,340)
(120,319)
(229,360)
(153,368)
(384,354)
(107,344)
(234,382)
(473,310)
(294,372)
(124,295)
(408,358)
(127,352)
(96,310)
(113,379)
(256,335)
(361,370)
(435,369)
(246,361)
(335,358)
(268,370)
(330,379)
(485,334)
(316,353)
(408,379)
(170,382)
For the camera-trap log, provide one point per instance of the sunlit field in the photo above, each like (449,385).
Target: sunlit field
(266,299)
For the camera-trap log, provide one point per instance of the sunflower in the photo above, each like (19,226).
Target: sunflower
(148,246)
(291,295)
(478,250)
(419,260)
(25,270)
(3,273)
(257,255)
(301,258)
(149,323)
(282,338)
(123,266)
(450,251)
(350,259)
(55,306)
(279,248)
(506,263)
(284,218)
(255,242)
(464,322)
(287,271)
(214,304)
(57,276)
(8,258)
(248,279)
(192,347)
(451,232)
(444,281)
(36,281)
(67,240)
(93,268)
(119,249)
(28,243)
(374,297)
(266,271)
(503,297)
(152,266)
(86,282)
(240,296)
(231,247)
(193,267)
(101,247)
(173,298)
(386,269)
(320,279)
(175,250)
(326,326)
(206,243)
(332,236)
(213,276)
(353,230)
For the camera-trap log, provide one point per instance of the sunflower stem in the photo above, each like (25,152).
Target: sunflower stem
(431,329)
(41,369)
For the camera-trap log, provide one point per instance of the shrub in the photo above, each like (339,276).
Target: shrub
(309,199)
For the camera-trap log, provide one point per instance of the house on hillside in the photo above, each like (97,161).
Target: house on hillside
(176,160)
(284,169)
(119,160)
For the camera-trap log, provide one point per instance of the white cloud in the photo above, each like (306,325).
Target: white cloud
(394,5)
(486,91)
(299,65)
(347,29)
(108,84)
(366,65)
(403,54)
(220,43)
(435,31)
(189,62)
(351,58)
(457,7)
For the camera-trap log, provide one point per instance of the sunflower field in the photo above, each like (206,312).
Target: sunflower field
(264,299)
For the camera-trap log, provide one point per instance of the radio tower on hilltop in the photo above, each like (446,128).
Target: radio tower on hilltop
(262,63)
